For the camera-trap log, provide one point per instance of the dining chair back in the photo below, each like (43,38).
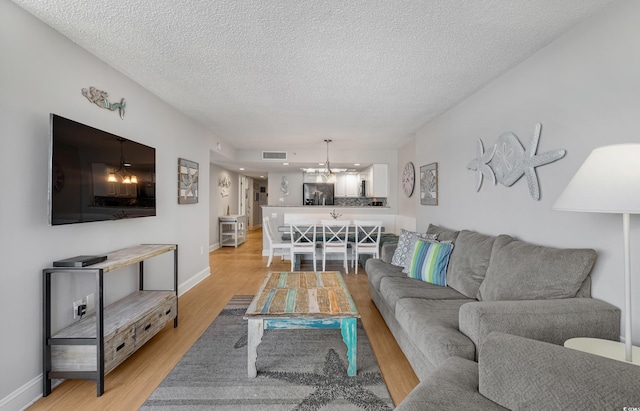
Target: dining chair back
(303,240)
(274,242)
(367,240)
(335,235)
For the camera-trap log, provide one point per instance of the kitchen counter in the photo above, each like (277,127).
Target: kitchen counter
(324,206)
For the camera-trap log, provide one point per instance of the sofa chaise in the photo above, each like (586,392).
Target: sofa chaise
(516,373)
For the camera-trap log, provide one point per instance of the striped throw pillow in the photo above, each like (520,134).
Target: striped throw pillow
(430,261)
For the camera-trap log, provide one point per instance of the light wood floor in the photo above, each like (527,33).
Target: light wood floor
(233,271)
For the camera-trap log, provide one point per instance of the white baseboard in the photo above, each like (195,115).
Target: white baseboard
(23,397)
(193,281)
(214,247)
(29,393)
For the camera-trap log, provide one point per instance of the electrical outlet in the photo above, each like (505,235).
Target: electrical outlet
(78,306)
(201,250)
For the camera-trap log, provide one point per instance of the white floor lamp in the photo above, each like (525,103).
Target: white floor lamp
(609,182)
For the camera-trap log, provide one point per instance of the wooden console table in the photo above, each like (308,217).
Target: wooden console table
(93,346)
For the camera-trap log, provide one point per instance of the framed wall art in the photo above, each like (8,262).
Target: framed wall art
(187,181)
(429,184)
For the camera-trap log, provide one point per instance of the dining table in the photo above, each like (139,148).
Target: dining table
(285,229)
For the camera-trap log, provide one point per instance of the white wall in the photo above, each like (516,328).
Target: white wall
(585,90)
(218,203)
(43,72)
(274,187)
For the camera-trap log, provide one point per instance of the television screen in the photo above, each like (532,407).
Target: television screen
(97,176)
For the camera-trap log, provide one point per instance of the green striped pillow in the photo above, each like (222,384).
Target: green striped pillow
(429,262)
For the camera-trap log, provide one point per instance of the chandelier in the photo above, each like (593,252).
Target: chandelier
(120,172)
(327,174)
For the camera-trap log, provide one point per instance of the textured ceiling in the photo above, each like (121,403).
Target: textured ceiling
(281,74)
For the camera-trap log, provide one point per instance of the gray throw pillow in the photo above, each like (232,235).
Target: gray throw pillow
(523,271)
(469,262)
(405,247)
(442,233)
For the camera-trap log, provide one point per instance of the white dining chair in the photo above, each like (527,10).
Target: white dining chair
(274,242)
(367,240)
(335,235)
(303,240)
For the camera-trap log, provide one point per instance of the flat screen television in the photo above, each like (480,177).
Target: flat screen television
(97,176)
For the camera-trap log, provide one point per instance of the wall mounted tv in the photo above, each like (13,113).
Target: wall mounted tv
(97,176)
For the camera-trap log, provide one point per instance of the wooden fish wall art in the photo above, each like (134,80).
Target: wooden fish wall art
(507,161)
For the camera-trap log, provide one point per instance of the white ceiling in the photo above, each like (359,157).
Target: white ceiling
(286,74)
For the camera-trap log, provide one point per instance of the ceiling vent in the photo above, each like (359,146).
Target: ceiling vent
(274,155)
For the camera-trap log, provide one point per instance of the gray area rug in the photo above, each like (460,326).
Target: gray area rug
(297,370)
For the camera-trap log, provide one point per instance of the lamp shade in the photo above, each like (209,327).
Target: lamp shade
(607,182)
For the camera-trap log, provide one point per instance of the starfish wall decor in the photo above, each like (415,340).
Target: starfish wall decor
(507,161)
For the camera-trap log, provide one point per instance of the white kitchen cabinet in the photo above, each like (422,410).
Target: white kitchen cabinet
(347,185)
(377,180)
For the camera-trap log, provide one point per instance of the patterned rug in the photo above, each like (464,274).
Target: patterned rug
(297,370)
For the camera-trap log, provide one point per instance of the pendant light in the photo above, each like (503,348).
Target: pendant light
(328,174)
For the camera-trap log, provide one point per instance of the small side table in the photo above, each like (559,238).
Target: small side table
(232,230)
(604,348)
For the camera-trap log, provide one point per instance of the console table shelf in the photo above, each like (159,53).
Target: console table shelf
(96,344)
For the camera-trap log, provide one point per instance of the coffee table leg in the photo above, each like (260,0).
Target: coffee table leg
(254,337)
(350,337)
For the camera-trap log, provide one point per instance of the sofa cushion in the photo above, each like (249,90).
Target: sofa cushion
(523,271)
(393,289)
(453,386)
(524,374)
(430,261)
(406,244)
(432,326)
(377,270)
(442,233)
(469,262)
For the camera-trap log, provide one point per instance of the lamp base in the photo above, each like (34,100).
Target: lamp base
(604,348)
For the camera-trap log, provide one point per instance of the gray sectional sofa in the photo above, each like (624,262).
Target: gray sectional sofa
(523,374)
(494,283)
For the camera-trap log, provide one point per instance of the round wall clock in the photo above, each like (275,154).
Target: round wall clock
(408,179)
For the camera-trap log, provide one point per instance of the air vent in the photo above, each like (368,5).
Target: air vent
(274,155)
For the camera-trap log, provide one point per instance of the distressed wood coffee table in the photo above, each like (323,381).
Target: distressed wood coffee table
(302,300)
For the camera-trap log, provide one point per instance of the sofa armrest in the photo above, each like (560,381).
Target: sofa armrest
(520,373)
(387,250)
(553,321)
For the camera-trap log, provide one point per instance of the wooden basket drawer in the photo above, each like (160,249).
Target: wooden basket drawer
(119,348)
(167,312)
(83,357)
(146,328)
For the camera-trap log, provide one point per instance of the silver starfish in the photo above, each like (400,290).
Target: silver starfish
(523,161)
(480,164)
